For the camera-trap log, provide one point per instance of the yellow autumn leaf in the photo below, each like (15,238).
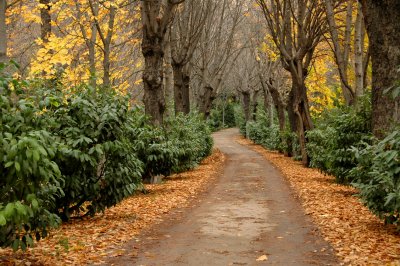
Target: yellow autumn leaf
(262,258)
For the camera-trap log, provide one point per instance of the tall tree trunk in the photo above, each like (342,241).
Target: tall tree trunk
(292,121)
(155,17)
(383,27)
(186,90)
(359,54)
(279,105)
(45,17)
(91,44)
(341,54)
(254,105)
(107,48)
(206,101)
(3,31)
(154,100)
(181,90)
(106,66)
(268,106)
(302,113)
(246,105)
(168,80)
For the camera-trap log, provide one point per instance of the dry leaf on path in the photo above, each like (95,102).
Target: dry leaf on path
(262,258)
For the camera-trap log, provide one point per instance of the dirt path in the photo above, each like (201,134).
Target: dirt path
(248,213)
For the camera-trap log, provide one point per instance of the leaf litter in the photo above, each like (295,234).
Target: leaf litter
(358,236)
(92,240)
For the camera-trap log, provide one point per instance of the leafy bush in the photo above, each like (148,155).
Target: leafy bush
(329,145)
(222,119)
(264,135)
(193,140)
(290,144)
(240,119)
(377,176)
(97,161)
(30,178)
(79,152)
(179,146)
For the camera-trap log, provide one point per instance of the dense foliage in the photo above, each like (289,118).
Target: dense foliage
(223,116)
(377,175)
(77,153)
(337,131)
(261,133)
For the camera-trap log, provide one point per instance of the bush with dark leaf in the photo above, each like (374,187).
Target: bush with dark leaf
(30,178)
(377,176)
(329,145)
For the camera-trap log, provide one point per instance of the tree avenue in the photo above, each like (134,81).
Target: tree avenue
(99,96)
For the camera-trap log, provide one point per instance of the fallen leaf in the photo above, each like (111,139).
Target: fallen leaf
(262,258)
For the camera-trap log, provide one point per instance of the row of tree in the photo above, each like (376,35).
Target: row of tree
(297,30)
(176,55)
(166,53)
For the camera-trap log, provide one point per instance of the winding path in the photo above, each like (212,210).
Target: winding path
(249,212)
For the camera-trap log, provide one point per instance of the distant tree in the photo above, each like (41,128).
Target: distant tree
(296,28)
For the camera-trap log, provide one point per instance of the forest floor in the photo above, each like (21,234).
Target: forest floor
(236,208)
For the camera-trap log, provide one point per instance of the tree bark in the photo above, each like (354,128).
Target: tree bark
(302,114)
(181,89)
(154,101)
(359,54)
(3,31)
(45,17)
(246,105)
(168,79)
(206,101)
(268,106)
(383,28)
(155,16)
(254,105)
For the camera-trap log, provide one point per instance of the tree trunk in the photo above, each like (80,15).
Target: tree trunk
(106,66)
(107,48)
(207,100)
(302,114)
(359,54)
(153,77)
(168,80)
(341,54)
(268,106)
(246,105)
(3,31)
(280,108)
(186,91)
(45,17)
(181,90)
(254,105)
(91,44)
(383,27)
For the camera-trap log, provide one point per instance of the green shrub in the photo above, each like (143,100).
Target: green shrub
(329,145)
(30,179)
(80,153)
(192,138)
(240,119)
(222,119)
(97,160)
(377,176)
(267,136)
